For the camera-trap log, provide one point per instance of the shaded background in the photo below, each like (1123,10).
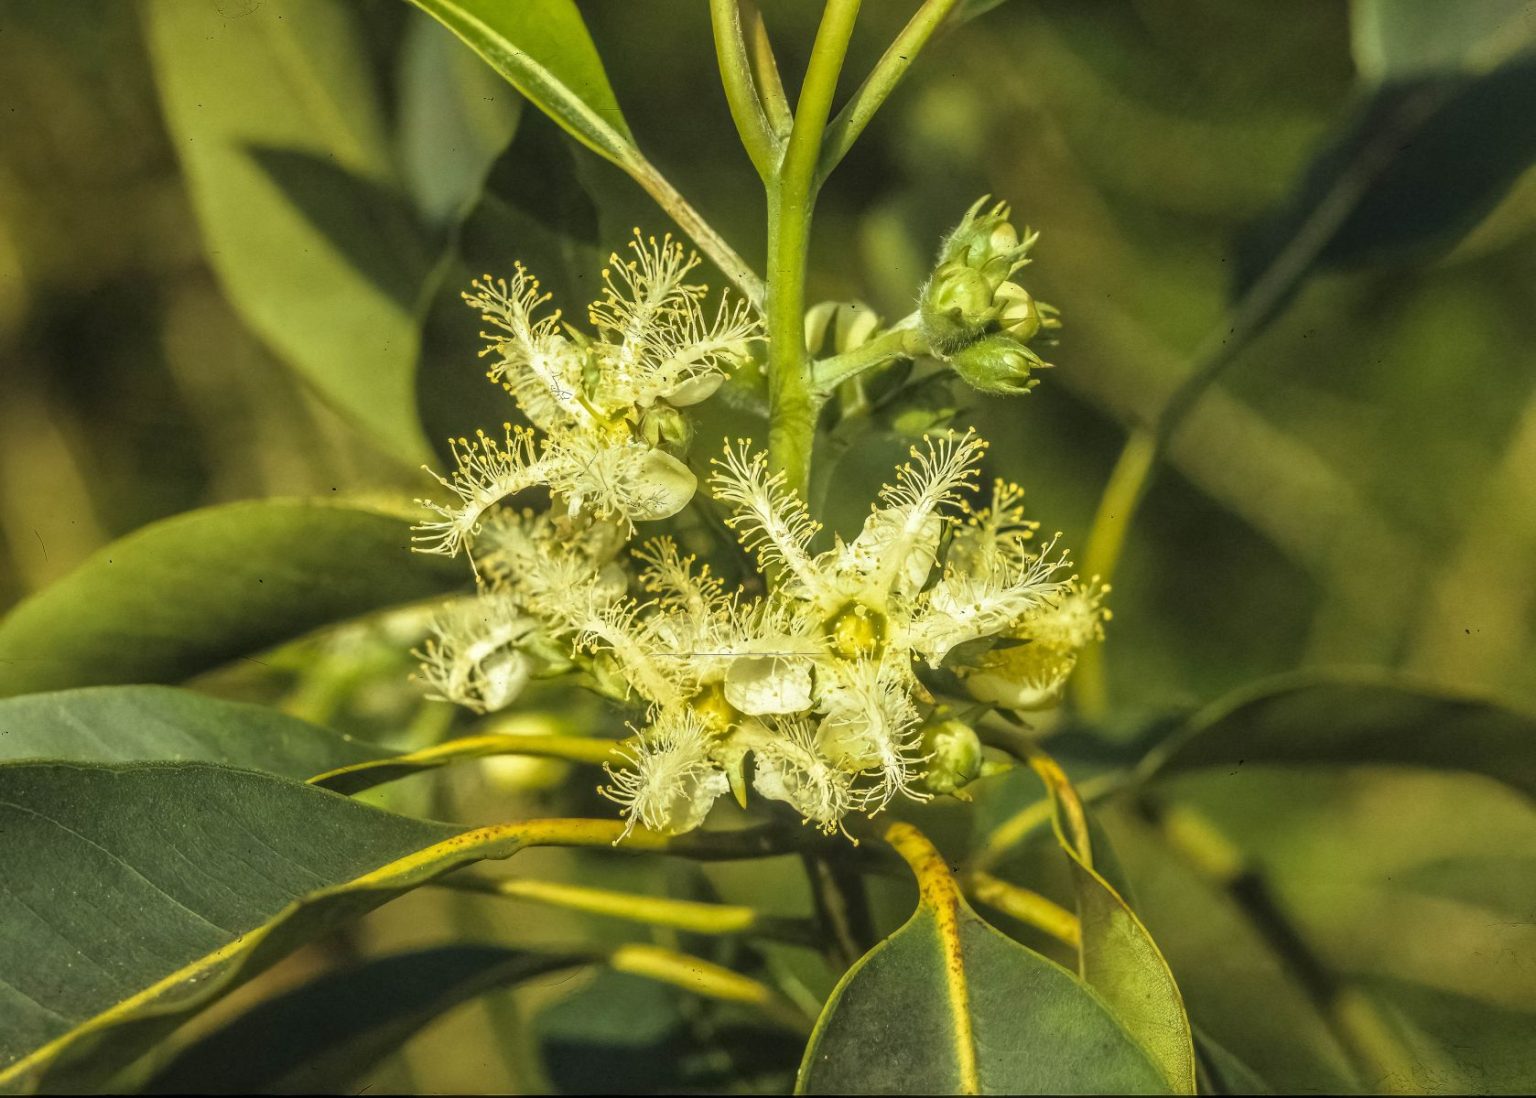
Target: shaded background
(1359,488)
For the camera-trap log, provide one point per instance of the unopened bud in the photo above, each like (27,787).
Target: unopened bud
(954,755)
(956,307)
(1019,313)
(997,364)
(663,426)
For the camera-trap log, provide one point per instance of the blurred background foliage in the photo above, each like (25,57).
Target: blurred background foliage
(1359,488)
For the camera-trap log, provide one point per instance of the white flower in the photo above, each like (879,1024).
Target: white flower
(474,657)
(1030,666)
(671,781)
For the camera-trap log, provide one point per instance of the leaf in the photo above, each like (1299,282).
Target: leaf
(533,209)
(543,49)
(321,1037)
(194,591)
(1418,165)
(1118,957)
(947,1004)
(295,77)
(456,117)
(1397,38)
(110,724)
(135,895)
(1354,720)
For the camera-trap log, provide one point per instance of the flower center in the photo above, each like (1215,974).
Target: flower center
(856,631)
(716,713)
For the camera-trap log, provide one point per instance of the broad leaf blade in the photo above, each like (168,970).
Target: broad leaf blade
(133,895)
(321,1037)
(294,77)
(1355,720)
(189,593)
(949,1005)
(116,724)
(543,49)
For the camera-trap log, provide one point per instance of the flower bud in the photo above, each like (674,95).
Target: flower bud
(987,243)
(1019,314)
(663,426)
(956,307)
(997,364)
(954,755)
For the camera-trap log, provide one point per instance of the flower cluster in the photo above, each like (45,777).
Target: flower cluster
(973,316)
(818,692)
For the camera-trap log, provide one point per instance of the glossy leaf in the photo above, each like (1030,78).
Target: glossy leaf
(354,777)
(114,724)
(543,49)
(323,272)
(1117,956)
(1418,166)
(532,209)
(189,593)
(1355,720)
(947,1004)
(321,1037)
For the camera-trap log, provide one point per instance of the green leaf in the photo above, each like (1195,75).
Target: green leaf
(947,1004)
(1224,1073)
(137,894)
(111,724)
(321,1037)
(186,594)
(456,117)
(1354,720)
(1417,167)
(532,209)
(380,768)
(324,280)
(543,49)
(1117,956)
(1397,38)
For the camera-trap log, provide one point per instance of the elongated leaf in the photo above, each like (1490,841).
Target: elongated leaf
(532,209)
(1224,1073)
(456,117)
(1117,956)
(104,724)
(195,591)
(1396,38)
(378,769)
(1351,720)
(1417,167)
(542,47)
(948,1005)
(326,283)
(321,1037)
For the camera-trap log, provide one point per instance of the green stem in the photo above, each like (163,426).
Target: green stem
(791,200)
(899,342)
(881,81)
(700,231)
(741,93)
(1280,281)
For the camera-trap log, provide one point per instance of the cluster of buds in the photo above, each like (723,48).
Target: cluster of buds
(974,316)
(818,692)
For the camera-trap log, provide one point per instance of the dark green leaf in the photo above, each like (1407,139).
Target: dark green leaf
(1418,166)
(134,895)
(949,1005)
(543,49)
(321,1037)
(1354,720)
(532,210)
(1223,1073)
(104,724)
(192,592)
(295,77)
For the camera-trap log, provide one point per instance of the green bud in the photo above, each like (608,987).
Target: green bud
(987,243)
(956,307)
(954,755)
(663,426)
(997,364)
(1020,313)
